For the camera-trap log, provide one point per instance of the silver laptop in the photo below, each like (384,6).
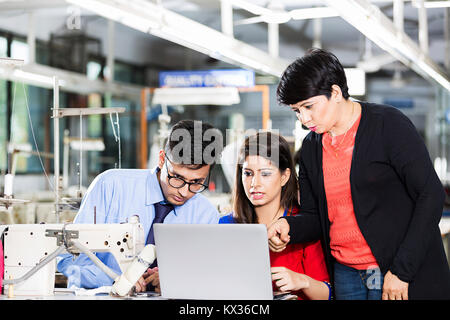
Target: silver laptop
(214,262)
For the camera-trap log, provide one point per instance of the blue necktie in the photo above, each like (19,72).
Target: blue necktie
(161,211)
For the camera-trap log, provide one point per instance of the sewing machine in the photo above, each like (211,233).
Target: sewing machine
(32,249)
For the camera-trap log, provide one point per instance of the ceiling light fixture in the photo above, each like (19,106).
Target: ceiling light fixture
(276,13)
(313,13)
(432,4)
(371,22)
(174,27)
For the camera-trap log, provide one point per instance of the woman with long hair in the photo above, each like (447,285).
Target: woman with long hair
(265,190)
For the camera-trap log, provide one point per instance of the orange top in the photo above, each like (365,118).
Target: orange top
(347,243)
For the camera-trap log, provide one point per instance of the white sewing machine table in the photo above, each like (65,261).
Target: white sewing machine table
(68,294)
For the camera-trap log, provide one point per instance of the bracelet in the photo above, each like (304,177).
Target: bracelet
(329,289)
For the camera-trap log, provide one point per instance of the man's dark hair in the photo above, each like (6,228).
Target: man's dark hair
(194,144)
(311,75)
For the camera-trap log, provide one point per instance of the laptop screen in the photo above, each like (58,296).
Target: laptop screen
(215,262)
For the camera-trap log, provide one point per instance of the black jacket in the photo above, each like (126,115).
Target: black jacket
(397,199)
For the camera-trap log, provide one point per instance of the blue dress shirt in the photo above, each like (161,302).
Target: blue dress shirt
(118,194)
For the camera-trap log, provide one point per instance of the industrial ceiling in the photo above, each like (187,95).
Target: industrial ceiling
(378,36)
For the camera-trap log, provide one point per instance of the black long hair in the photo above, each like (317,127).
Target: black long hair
(264,144)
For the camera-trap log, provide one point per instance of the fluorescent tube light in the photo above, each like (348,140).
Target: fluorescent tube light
(434,74)
(277,17)
(174,27)
(370,21)
(313,13)
(33,77)
(432,4)
(132,17)
(196,96)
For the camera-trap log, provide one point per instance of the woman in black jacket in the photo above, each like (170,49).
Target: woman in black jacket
(386,236)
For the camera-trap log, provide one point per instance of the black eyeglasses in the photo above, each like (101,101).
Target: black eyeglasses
(178,183)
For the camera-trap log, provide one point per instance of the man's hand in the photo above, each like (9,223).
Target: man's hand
(150,276)
(394,288)
(278,235)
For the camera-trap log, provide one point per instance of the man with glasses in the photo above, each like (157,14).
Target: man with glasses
(169,193)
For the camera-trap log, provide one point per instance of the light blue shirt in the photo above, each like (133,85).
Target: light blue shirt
(118,194)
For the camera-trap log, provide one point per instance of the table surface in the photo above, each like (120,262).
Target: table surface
(69,294)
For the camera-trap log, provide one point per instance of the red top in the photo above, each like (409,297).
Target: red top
(306,258)
(347,243)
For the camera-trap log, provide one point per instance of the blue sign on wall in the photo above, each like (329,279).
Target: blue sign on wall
(209,78)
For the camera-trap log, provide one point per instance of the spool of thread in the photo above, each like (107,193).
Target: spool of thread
(10,289)
(8,185)
(2,266)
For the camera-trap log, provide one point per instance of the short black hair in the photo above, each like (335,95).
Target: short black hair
(311,75)
(194,143)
